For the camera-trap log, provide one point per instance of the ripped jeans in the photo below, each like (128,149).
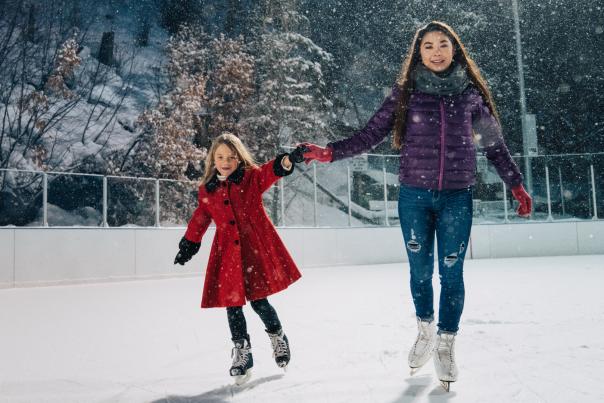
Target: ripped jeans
(448,214)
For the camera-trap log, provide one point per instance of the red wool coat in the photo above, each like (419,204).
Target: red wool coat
(248,260)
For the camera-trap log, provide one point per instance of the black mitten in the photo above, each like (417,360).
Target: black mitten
(186,252)
(297,155)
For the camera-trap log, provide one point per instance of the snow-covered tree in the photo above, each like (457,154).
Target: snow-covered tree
(165,146)
(66,62)
(291,103)
(232,84)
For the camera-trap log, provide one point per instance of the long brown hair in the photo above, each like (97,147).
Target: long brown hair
(235,144)
(405,78)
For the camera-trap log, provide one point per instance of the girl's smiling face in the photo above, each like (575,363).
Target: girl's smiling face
(436,51)
(225,160)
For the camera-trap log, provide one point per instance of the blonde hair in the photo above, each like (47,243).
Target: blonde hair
(405,78)
(235,144)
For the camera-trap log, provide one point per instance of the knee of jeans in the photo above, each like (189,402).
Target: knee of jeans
(414,246)
(451,259)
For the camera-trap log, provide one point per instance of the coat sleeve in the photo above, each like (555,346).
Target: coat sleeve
(200,221)
(378,127)
(490,140)
(269,173)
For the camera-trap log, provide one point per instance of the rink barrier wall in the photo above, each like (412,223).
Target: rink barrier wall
(54,256)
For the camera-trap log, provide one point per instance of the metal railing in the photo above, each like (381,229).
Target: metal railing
(367,196)
(42,192)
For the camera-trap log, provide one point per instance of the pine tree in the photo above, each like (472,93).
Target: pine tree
(291,103)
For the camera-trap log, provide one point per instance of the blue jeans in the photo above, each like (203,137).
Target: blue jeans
(448,214)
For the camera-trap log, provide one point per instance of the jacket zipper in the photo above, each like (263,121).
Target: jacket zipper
(442,145)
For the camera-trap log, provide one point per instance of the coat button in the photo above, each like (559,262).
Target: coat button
(236,241)
(232,222)
(226,202)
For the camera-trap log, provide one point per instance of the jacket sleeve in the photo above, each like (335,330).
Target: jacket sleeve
(378,127)
(269,173)
(200,221)
(490,140)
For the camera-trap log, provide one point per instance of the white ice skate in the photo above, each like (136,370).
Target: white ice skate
(444,359)
(424,345)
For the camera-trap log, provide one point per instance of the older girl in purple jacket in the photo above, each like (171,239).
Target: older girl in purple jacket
(439,110)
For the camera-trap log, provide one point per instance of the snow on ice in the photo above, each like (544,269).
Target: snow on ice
(531,332)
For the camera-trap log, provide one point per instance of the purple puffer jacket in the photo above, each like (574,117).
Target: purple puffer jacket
(438,151)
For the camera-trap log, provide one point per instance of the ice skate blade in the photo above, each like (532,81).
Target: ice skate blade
(241,379)
(414,370)
(446,385)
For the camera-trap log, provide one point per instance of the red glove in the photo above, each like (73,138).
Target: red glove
(317,153)
(525,201)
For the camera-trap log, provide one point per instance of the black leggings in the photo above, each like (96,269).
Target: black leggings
(266,312)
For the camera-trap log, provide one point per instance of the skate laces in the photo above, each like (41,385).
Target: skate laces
(445,347)
(241,356)
(279,344)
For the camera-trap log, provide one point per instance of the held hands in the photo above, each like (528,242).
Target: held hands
(321,154)
(524,200)
(297,155)
(187,250)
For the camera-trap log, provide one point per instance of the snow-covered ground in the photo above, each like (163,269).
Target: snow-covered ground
(531,332)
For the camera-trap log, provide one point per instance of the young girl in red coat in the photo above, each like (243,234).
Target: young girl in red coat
(248,260)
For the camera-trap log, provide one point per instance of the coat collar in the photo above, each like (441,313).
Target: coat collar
(236,177)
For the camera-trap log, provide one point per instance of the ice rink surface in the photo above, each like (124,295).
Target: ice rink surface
(532,331)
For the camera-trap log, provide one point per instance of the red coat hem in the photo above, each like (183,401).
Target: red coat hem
(204,306)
